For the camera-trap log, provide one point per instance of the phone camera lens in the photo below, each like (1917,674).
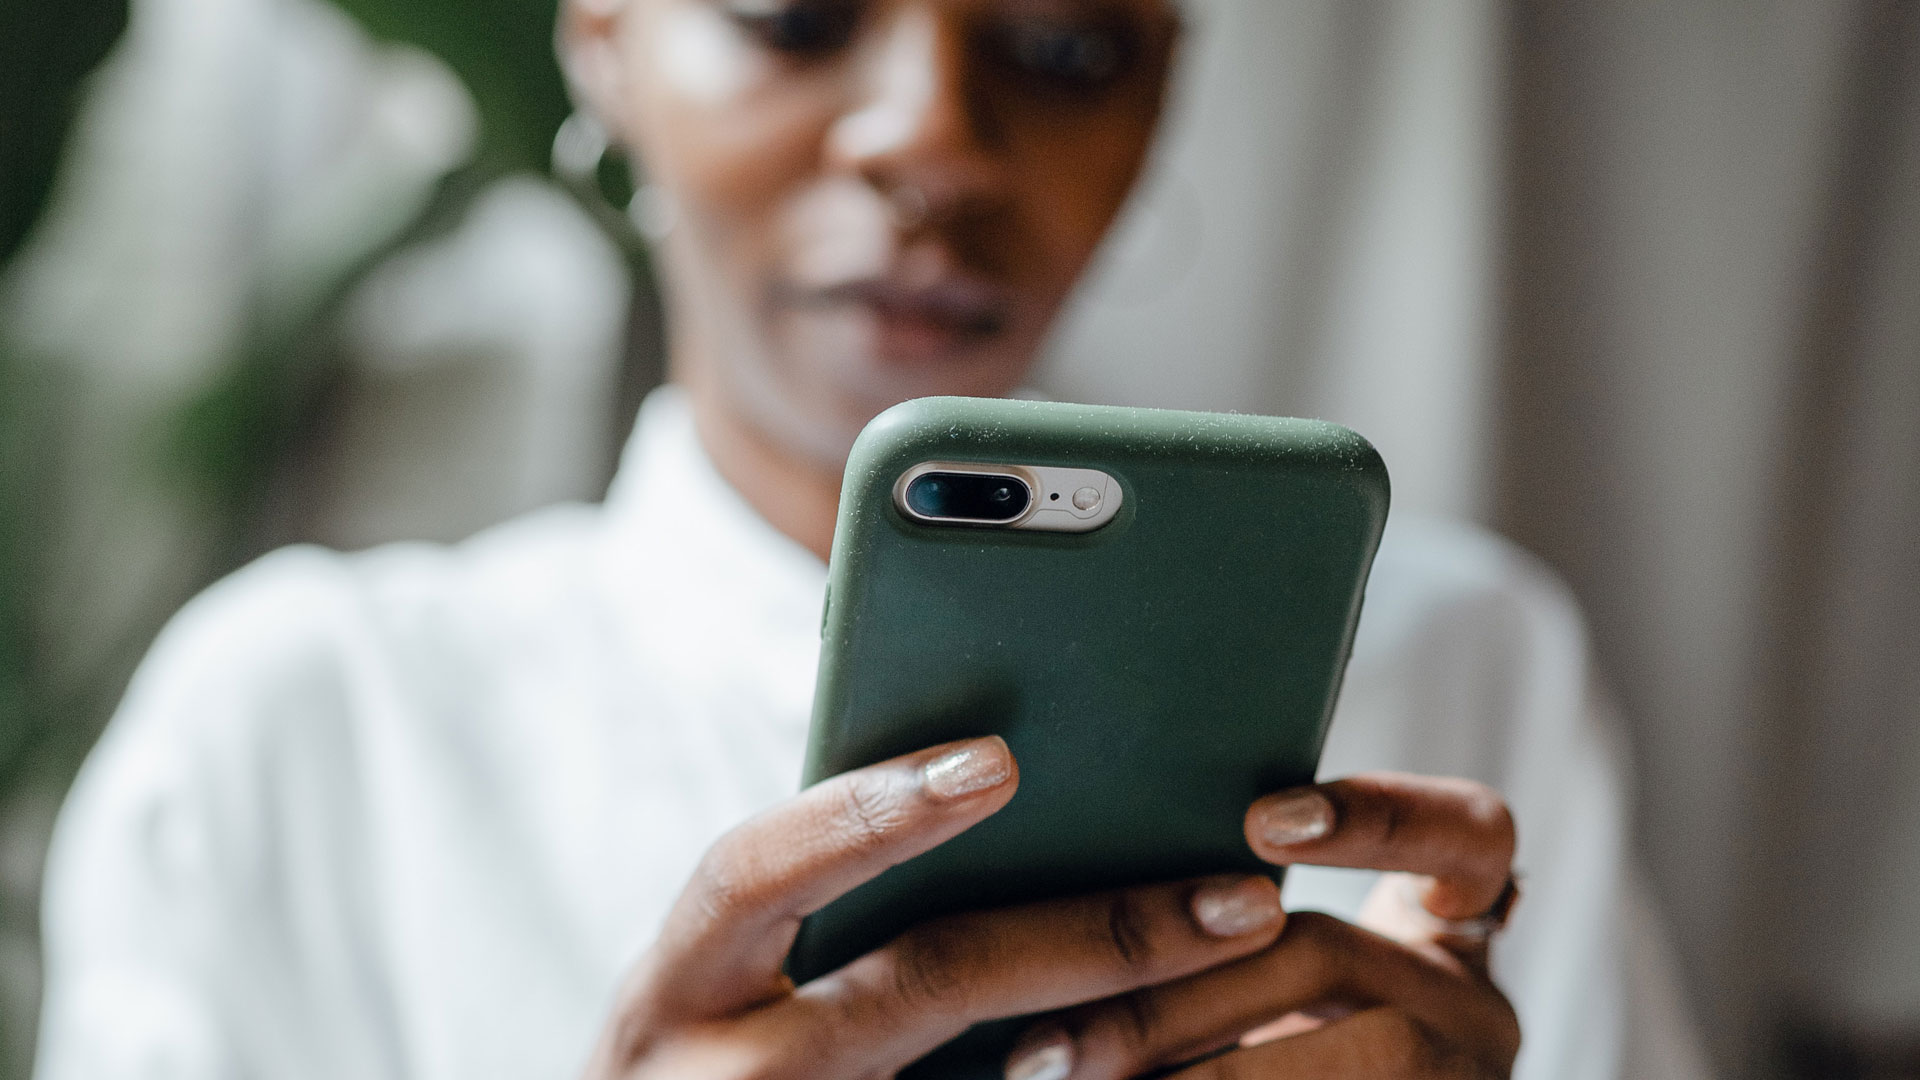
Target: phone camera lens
(983,498)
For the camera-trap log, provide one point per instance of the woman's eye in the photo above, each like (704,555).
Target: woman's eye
(1067,55)
(800,27)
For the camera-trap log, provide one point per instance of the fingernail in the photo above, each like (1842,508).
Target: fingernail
(1236,907)
(1295,819)
(1047,1055)
(976,767)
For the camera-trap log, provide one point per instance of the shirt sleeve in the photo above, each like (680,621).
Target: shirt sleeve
(1473,661)
(183,933)
(1587,958)
(133,907)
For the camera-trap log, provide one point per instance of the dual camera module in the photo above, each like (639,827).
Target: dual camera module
(1036,498)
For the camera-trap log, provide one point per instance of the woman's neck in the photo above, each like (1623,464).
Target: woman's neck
(798,497)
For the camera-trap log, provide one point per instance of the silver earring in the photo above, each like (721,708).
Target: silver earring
(653,211)
(911,208)
(580,147)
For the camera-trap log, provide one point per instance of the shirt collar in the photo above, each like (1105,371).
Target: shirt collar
(691,558)
(668,493)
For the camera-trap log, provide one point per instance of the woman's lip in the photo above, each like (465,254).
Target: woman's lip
(957,306)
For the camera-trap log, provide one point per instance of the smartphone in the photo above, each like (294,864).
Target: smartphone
(1153,608)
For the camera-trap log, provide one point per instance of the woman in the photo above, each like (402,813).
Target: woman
(416,812)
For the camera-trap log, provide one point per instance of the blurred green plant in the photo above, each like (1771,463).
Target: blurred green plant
(231,440)
(46,53)
(503,51)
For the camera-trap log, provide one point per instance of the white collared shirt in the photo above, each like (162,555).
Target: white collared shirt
(413,812)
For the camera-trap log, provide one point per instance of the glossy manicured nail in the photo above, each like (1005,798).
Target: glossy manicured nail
(978,766)
(1236,906)
(1294,819)
(1043,1055)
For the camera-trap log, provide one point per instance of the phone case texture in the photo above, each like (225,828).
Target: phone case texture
(1152,678)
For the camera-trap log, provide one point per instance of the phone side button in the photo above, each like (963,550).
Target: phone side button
(826,606)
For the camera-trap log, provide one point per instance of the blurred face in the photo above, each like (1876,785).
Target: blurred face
(873,200)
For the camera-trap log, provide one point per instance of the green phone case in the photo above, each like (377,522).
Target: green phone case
(1152,678)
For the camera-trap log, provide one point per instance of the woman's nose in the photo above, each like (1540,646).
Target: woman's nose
(918,122)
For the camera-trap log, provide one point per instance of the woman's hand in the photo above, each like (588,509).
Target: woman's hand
(709,999)
(1409,998)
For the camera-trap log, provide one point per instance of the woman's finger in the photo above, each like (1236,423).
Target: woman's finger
(1457,831)
(1319,963)
(723,944)
(1397,907)
(1378,1044)
(900,1001)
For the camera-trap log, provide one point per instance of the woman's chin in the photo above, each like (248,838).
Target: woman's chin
(892,358)
(906,342)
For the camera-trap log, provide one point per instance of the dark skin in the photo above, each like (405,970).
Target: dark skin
(805,297)
(884,199)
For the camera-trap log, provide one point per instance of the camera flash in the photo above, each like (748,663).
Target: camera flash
(1086,498)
